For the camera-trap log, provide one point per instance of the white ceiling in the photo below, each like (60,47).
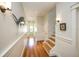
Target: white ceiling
(37,8)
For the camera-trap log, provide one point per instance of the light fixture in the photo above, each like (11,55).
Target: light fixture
(21,21)
(25,29)
(5,6)
(57,20)
(2,8)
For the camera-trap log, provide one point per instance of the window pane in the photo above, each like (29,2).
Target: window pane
(31,28)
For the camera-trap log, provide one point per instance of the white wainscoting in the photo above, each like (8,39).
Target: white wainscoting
(63,47)
(64,39)
(16,49)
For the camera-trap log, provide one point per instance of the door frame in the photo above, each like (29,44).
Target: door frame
(74,27)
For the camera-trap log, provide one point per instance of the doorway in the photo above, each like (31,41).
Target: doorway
(32,28)
(75,27)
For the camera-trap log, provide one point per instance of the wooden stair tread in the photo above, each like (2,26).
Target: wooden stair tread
(50,43)
(46,54)
(53,35)
(46,50)
(47,47)
(51,38)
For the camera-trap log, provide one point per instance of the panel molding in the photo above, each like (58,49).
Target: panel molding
(64,39)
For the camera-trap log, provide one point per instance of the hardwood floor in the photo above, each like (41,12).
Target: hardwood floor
(41,49)
(35,51)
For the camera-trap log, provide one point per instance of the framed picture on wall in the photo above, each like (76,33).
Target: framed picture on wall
(63,26)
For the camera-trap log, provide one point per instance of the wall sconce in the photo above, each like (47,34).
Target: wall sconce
(5,6)
(57,20)
(21,21)
(2,8)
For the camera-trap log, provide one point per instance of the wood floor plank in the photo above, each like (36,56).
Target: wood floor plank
(27,52)
(39,49)
(44,52)
(36,51)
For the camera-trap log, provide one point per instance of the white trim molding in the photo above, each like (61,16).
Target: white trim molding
(11,46)
(76,5)
(65,39)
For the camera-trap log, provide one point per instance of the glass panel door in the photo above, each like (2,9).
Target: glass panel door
(32,28)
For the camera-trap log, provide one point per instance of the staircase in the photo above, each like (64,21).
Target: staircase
(49,44)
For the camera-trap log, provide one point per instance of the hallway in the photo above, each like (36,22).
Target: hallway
(39,29)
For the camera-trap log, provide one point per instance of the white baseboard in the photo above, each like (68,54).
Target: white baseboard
(11,46)
(23,51)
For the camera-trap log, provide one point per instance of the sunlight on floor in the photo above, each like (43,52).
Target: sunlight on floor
(31,42)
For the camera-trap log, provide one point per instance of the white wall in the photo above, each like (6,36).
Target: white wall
(63,10)
(8,31)
(51,22)
(16,50)
(8,28)
(64,39)
(17,9)
(40,28)
(46,27)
